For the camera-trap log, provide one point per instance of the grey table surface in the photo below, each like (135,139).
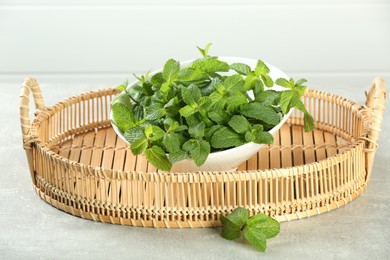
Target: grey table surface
(32,229)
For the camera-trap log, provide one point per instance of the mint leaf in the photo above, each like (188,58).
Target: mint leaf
(300,82)
(219,116)
(263,138)
(249,137)
(200,152)
(123,117)
(171,70)
(249,81)
(256,238)
(210,131)
(158,158)
(187,111)
(257,229)
(308,122)
(135,133)
(191,95)
(225,137)
(155,111)
(210,65)
(197,130)
(283,83)
(191,75)
(137,139)
(178,156)
(261,112)
(204,51)
(239,217)
(261,68)
(235,99)
(241,68)
(267,225)
(230,231)
(285,100)
(123,86)
(267,80)
(269,97)
(153,132)
(173,141)
(239,124)
(234,82)
(157,79)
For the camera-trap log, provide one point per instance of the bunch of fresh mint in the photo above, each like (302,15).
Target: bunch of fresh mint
(190,112)
(256,229)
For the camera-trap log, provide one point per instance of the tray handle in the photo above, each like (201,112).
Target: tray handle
(29,85)
(375,106)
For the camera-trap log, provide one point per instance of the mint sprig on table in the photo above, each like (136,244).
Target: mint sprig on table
(188,113)
(256,229)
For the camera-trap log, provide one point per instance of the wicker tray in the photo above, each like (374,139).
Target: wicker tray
(79,165)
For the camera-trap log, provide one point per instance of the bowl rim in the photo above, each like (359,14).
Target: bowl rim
(223,58)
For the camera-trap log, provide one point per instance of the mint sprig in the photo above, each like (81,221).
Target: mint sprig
(189,112)
(256,229)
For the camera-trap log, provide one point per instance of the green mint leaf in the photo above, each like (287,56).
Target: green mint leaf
(210,131)
(285,101)
(261,112)
(256,238)
(308,122)
(269,97)
(267,225)
(219,116)
(189,145)
(155,111)
(300,82)
(137,139)
(261,68)
(178,156)
(250,80)
(197,130)
(171,70)
(241,68)
(207,89)
(249,137)
(210,65)
(239,124)
(230,231)
(158,158)
(300,89)
(135,133)
(226,137)
(234,82)
(123,86)
(267,80)
(123,117)
(263,138)
(187,111)
(173,141)
(191,95)
(191,75)
(283,83)
(239,216)
(157,79)
(156,133)
(204,103)
(204,51)
(235,99)
(215,97)
(200,152)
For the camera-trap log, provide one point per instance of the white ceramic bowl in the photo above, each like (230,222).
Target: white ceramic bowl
(227,160)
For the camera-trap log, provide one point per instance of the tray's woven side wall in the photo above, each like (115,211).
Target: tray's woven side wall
(91,189)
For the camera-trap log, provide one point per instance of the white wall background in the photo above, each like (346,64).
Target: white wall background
(103,42)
